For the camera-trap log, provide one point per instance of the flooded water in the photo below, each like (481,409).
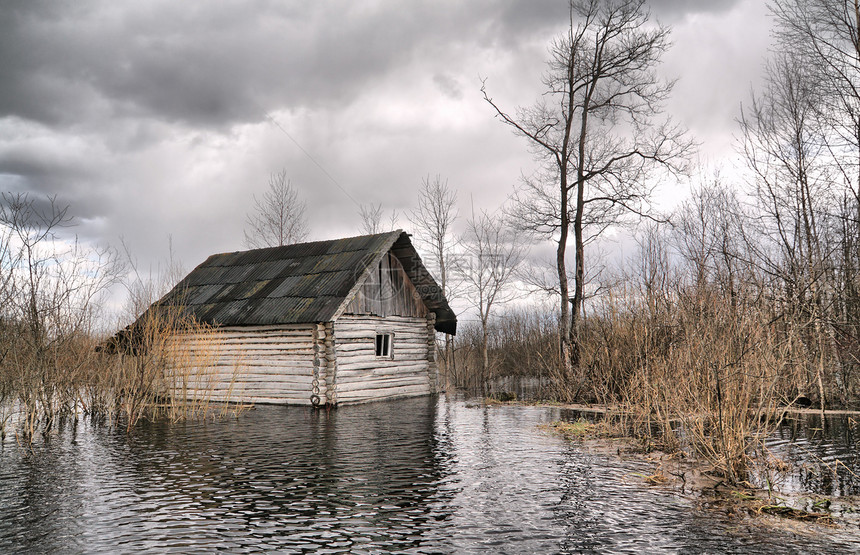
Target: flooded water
(825,454)
(425,475)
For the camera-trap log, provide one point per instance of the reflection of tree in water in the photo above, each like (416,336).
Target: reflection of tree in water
(574,513)
(823,454)
(37,502)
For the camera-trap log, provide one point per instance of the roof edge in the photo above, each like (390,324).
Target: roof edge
(446,320)
(359,283)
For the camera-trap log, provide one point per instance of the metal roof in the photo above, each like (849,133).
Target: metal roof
(302,283)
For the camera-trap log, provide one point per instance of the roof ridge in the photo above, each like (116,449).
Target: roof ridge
(308,243)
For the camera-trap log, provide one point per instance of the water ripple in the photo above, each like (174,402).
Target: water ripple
(414,476)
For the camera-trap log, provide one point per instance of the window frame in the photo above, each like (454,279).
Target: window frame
(384,345)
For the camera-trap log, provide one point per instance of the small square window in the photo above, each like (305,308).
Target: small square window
(383,345)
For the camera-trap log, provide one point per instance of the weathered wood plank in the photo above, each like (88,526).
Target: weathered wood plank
(389,393)
(375,385)
(362,376)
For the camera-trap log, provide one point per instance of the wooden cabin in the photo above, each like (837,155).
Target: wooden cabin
(327,322)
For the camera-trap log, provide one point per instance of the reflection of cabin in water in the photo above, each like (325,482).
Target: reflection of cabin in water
(327,322)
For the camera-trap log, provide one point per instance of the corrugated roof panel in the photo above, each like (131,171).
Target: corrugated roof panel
(287,310)
(237,274)
(314,249)
(331,262)
(203,276)
(285,287)
(324,307)
(231,313)
(200,294)
(205,312)
(363,243)
(252,256)
(217,274)
(248,289)
(332,283)
(269,269)
(223,294)
(224,259)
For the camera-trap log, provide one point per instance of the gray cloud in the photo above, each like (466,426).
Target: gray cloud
(64,63)
(149,117)
(674,9)
(201,66)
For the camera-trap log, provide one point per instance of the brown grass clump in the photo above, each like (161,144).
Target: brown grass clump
(582,429)
(166,365)
(54,362)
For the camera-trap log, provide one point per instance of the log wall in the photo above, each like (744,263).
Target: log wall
(362,376)
(288,364)
(259,364)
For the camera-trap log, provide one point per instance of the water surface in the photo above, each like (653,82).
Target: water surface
(424,475)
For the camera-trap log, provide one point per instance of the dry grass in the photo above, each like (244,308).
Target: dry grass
(704,373)
(582,429)
(688,369)
(163,367)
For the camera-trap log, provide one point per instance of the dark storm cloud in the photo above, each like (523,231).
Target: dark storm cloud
(201,65)
(149,117)
(191,63)
(180,62)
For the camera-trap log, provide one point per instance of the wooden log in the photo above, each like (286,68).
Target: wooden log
(283,380)
(382,370)
(388,393)
(374,385)
(369,363)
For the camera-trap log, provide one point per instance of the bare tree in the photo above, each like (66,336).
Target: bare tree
(372,219)
(490,258)
(432,221)
(596,132)
(823,36)
(279,216)
(785,143)
(785,146)
(51,285)
(145,289)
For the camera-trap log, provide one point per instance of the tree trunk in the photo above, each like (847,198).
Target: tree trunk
(485,358)
(564,330)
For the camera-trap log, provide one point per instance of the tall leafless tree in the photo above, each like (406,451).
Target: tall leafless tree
(490,258)
(371,218)
(596,131)
(824,37)
(279,216)
(431,221)
(785,143)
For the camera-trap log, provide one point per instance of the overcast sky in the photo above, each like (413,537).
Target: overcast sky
(158,118)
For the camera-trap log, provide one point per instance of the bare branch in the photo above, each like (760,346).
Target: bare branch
(279,216)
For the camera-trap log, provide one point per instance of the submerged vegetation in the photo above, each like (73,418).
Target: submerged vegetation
(55,362)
